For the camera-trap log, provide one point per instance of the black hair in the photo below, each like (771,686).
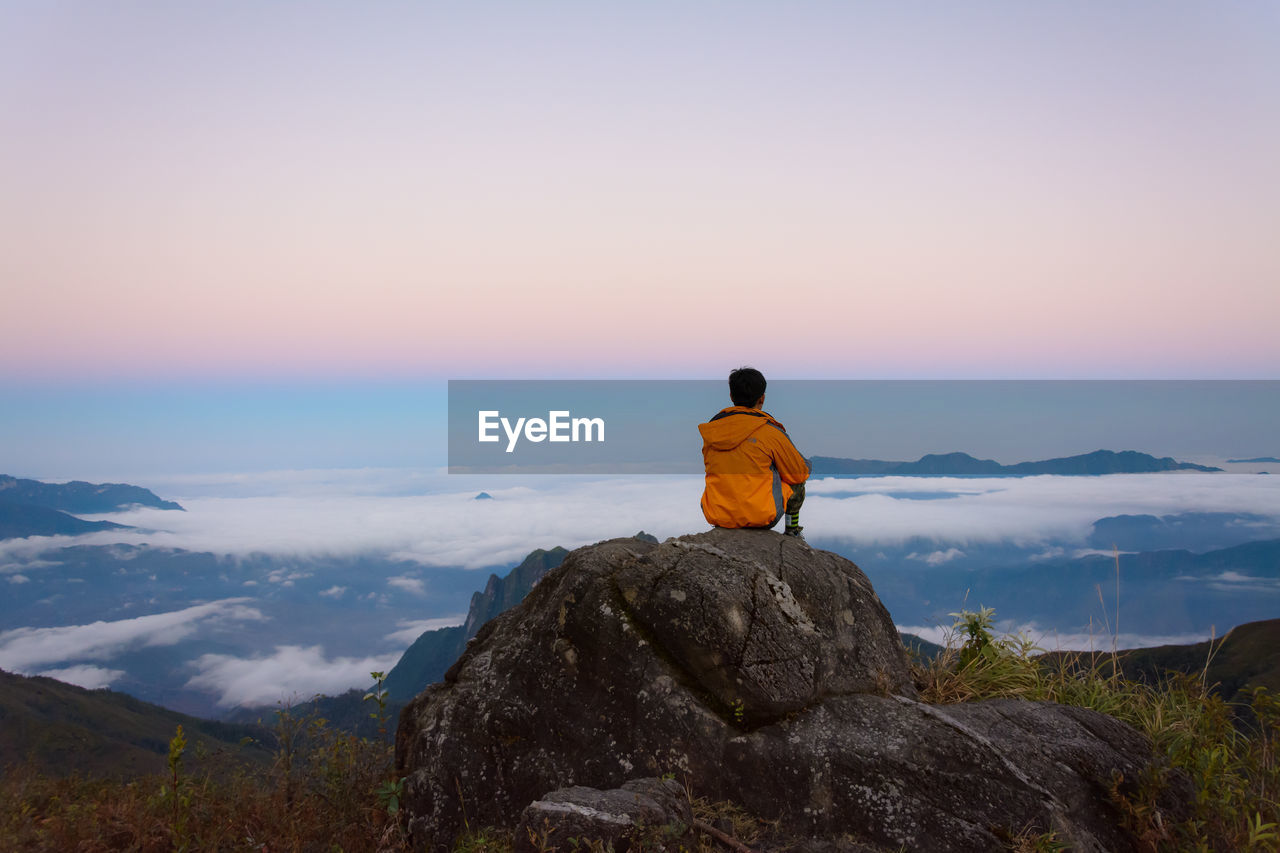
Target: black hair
(746,386)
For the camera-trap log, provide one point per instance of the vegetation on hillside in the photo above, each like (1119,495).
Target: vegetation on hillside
(1245,658)
(327,789)
(1226,751)
(64,729)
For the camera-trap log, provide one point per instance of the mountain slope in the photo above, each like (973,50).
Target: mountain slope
(1247,657)
(21,520)
(66,729)
(78,496)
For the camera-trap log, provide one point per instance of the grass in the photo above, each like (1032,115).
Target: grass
(330,790)
(325,790)
(1227,750)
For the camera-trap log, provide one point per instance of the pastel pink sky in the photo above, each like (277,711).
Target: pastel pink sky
(1001,189)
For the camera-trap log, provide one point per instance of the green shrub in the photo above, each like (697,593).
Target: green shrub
(1229,753)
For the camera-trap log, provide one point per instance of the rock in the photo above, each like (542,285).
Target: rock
(956,777)
(617,817)
(760,671)
(431,655)
(763,628)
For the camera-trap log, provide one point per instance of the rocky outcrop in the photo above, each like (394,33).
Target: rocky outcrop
(431,655)
(759,671)
(501,594)
(619,818)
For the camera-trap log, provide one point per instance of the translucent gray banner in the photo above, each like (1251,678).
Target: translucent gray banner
(651,426)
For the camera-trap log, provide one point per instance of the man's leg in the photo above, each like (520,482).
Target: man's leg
(794,503)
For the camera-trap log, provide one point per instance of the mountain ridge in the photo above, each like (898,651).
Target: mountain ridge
(33,508)
(1245,658)
(79,496)
(18,521)
(958,464)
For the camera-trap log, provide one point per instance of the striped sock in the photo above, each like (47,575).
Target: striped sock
(793,519)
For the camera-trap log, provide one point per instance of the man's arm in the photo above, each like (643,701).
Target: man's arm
(792,467)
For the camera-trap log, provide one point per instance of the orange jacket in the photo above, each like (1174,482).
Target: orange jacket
(751,465)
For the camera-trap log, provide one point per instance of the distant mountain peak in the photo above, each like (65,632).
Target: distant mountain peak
(957,463)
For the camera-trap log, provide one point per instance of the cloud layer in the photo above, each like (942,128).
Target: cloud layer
(26,650)
(345,516)
(447,527)
(408,630)
(85,675)
(288,675)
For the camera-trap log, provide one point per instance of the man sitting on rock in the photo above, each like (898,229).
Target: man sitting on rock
(754,472)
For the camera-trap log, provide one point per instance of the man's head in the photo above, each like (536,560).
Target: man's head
(746,386)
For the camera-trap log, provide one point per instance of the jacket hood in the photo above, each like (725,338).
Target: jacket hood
(733,426)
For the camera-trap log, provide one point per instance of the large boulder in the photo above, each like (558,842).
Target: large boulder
(758,670)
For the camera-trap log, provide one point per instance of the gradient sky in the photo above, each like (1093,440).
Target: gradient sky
(236,190)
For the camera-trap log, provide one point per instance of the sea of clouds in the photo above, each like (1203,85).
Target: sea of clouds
(432,520)
(441,524)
